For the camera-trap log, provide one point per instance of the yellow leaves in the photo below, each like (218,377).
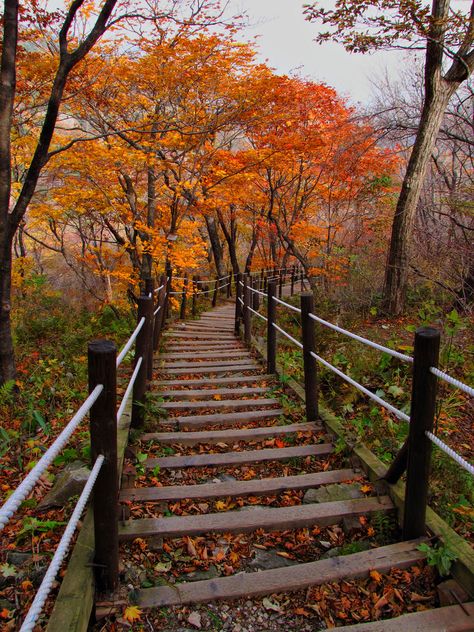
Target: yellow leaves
(132,614)
(366,488)
(26,585)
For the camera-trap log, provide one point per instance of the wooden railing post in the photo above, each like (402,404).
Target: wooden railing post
(169,274)
(302,278)
(229,287)
(247,313)
(238,304)
(194,300)
(143,341)
(102,355)
(214,296)
(255,296)
(293,280)
(422,414)
(149,291)
(271,331)
(160,316)
(280,285)
(182,311)
(310,365)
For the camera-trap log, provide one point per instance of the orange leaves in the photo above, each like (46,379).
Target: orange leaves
(132,614)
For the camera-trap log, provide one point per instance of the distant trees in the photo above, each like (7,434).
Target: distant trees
(448,38)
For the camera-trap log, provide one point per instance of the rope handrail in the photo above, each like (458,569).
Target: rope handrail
(366,341)
(255,291)
(129,388)
(450,452)
(257,313)
(295,309)
(241,300)
(453,381)
(126,348)
(285,333)
(159,288)
(157,310)
(24,488)
(63,546)
(398,413)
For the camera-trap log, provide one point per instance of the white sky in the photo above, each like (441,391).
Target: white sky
(287,43)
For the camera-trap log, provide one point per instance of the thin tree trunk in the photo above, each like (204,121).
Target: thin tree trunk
(216,246)
(230,235)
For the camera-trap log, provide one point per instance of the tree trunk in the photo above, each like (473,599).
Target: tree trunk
(438,91)
(230,234)
(216,246)
(7,357)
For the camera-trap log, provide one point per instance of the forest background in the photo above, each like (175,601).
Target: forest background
(139,135)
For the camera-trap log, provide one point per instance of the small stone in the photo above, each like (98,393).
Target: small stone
(331,493)
(349,524)
(331,553)
(266,560)
(70,482)
(197,576)
(225,478)
(18,558)
(195,620)
(178,475)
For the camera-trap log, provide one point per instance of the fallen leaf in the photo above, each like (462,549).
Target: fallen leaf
(376,576)
(162,567)
(26,585)
(132,613)
(270,605)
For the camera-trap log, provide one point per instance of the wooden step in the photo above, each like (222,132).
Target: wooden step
(238,368)
(229,419)
(206,364)
(212,327)
(210,392)
(178,355)
(239,458)
(256,487)
(192,345)
(199,336)
(221,403)
(382,559)
(274,518)
(211,381)
(229,436)
(447,619)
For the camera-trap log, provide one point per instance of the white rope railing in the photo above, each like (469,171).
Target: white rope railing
(450,452)
(129,388)
(60,553)
(159,288)
(257,313)
(376,398)
(293,340)
(129,343)
(375,345)
(241,300)
(157,310)
(451,380)
(23,490)
(295,309)
(255,291)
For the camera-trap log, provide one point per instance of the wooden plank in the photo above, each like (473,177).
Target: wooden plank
(447,619)
(236,458)
(228,419)
(185,364)
(210,392)
(275,518)
(192,345)
(198,335)
(237,379)
(214,353)
(220,403)
(382,559)
(255,487)
(212,369)
(229,436)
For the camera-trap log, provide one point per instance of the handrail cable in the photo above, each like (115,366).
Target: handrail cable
(398,413)
(366,341)
(157,310)
(295,309)
(63,546)
(450,452)
(24,488)
(128,390)
(451,380)
(293,340)
(126,348)
(159,288)
(257,313)
(255,291)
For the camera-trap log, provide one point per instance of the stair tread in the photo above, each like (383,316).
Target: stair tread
(382,559)
(276,518)
(226,418)
(261,486)
(234,458)
(220,403)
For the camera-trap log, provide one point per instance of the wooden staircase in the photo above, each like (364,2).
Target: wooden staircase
(216,393)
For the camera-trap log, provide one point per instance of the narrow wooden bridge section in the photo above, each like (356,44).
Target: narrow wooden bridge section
(216,392)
